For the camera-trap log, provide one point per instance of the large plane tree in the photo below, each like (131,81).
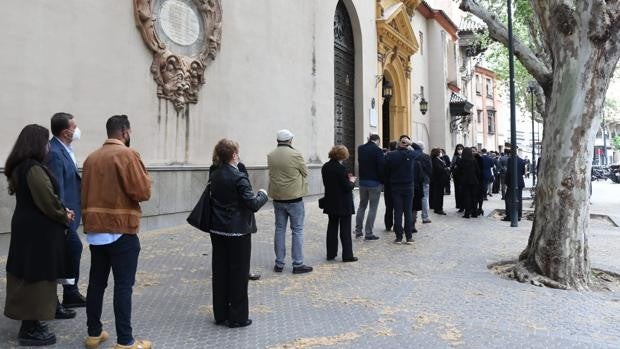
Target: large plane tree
(572,52)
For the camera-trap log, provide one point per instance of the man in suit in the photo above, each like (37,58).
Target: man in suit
(400,171)
(62,162)
(520,186)
(370,158)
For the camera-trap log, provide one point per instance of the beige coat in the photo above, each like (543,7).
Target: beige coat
(288,174)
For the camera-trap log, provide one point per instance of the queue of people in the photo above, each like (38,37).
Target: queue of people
(52,199)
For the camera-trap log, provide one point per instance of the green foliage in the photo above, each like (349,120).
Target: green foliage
(616,142)
(496,55)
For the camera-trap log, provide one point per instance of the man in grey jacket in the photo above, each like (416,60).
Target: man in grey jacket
(288,184)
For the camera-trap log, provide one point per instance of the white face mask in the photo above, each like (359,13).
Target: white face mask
(77,134)
(460,151)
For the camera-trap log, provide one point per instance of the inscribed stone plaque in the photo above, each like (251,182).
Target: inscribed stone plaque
(179,22)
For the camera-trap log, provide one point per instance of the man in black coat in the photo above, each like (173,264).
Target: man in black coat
(371,160)
(400,172)
(520,186)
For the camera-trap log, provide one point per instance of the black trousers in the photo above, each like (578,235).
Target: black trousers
(74,250)
(389,207)
(458,195)
(402,197)
(436,196)
(470,196)
(344,222)
(231,266)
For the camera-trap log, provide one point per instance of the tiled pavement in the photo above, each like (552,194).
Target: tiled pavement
(437,293)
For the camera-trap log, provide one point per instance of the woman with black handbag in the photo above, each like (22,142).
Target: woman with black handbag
(232,204)
(338,203)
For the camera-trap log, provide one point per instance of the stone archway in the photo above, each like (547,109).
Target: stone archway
(396,44)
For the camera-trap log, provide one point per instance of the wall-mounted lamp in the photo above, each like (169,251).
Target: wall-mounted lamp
(388,90)
(423,102)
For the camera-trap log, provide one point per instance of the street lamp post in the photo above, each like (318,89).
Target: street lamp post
(604,141)
(514,201)
(531,88)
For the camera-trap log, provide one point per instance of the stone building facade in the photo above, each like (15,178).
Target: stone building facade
(316,67)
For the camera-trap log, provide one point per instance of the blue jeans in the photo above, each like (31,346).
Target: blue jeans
(367,194)
(425,203)
(74,250)
(296,212)
(402,197)
(122,257)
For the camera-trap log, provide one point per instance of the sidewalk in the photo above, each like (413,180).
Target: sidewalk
(436,293)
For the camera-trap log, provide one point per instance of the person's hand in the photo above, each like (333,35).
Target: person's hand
(70,214)
(352,179)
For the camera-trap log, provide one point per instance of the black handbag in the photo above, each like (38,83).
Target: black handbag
(322,203)
(200,217)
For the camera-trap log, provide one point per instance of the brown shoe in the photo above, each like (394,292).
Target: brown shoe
(137,344)
(95,342)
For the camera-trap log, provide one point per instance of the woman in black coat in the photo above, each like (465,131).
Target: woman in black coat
(338,203)
(455,169)
(469,178)
(37,255)
(439,180)
(232,206)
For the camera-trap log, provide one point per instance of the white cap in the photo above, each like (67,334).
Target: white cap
(285,135)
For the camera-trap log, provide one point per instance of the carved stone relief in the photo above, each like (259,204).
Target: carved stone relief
(184,36)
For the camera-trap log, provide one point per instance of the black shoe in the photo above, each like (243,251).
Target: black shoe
(358,235)
(331,258)
(414,230)
(221,322)
(278,269)
(466,216)
(302,269)
(254,277)
(74,301)
(64,313)
(388,228)
(398,241)
(38,335)
(352,259)
(461,210)
(409,241)
(371,237)
(245,323)
(506,219)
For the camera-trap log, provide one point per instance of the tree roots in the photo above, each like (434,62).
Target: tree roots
(523,274)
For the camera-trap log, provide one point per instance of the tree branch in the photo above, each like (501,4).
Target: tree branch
(539,70)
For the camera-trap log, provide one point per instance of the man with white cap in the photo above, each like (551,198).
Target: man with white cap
(288,185)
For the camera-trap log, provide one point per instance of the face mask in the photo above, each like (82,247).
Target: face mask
(460,151)
(77,134)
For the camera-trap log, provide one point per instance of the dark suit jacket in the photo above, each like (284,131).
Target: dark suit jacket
(65,172)
(487,167)
(338,189)
(520,172)
(371,160)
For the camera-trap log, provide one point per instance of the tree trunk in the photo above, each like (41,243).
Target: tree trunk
(558,244)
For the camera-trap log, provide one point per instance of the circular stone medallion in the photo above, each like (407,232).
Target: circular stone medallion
(179,22)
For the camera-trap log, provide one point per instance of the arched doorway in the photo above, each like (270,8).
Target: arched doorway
(344,82)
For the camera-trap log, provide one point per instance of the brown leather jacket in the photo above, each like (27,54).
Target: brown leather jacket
(114,182)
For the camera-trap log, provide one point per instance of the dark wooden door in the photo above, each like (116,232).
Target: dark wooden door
(344,73)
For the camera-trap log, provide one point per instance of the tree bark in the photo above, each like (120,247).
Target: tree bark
(583,47)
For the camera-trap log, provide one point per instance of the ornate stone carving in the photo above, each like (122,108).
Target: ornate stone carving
(179,61)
